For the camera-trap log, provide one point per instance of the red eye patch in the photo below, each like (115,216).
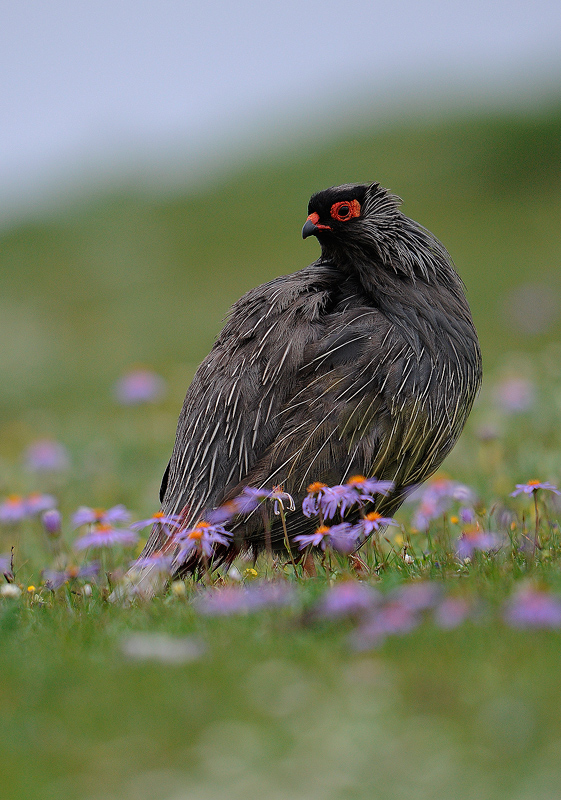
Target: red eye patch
(345,210)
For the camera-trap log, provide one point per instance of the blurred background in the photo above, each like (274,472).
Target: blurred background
(156,159)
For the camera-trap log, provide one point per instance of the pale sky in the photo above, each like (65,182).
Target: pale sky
(88,88)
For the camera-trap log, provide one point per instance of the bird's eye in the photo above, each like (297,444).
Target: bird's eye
(345,210)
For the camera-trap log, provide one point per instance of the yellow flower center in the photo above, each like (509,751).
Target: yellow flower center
(533,483)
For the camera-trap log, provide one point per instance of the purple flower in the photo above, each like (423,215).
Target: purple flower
(451,612)
(201,539)
(310,505)
(269,594)
(105,535)
(337,498)
(222,602)
(467,515)
(280,498)
(418,596)
(250,499)
(515,394)
(372,522)
(52,522)
(367,487)
(37,503)
(13,509)
(164,521)
(99,516)
(6,565)
(222,514)
(56,578)
(437,498)
(159,562)
(46,455)
(358,489)
(393,618)
(533,608)
(139,386)
(340,537)
(470,541)
(347,599)
(533,486)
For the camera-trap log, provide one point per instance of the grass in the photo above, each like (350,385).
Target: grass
(278,704)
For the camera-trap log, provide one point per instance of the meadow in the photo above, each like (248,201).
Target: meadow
(230,690)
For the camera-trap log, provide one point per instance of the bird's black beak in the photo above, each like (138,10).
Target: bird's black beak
(311,228)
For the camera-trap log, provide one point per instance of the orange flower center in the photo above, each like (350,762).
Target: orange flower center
(323,529)
(103,527)
(373,516)
(14,499)
(533,483)
(315,487)
(158,515)
(356,479)
(196,534)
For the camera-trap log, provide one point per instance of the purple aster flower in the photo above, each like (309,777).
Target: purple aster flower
(280,498)
(139,386)
(105,535)
(358,489)
(451,612)
(418,596)
(347,599)
(533,486)
(515,394)
(6,565)
(56,578)
(37,503)
(372,522)
(467,515)
(533,608)
(160,562)
(164,521)
(269,594)
(222,602)
(222,514)
(13,509)
(470,541)
(437,498)
(100,516)
(250,499)
(52,522)
(201,539)
(46,455)
(337,498)
(367,487)
(317,539)
(341,537)
(310,505)
(393,618)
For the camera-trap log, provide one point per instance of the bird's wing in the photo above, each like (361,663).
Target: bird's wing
(231,412)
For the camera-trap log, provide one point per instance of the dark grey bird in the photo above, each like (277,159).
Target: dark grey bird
(365,362)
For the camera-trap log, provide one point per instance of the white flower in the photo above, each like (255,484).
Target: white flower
(10,590)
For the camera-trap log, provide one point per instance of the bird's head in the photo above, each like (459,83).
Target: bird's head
(359,225)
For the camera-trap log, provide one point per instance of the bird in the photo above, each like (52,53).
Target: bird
(366,362)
